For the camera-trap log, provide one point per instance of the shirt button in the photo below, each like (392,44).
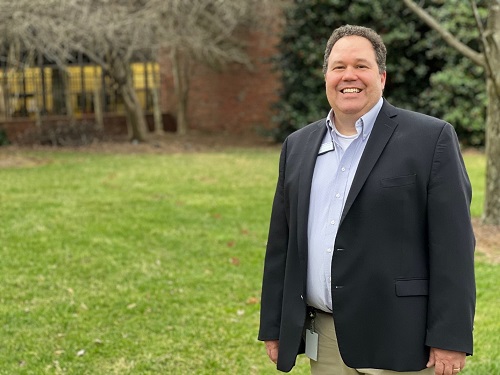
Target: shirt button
(337,195)
(332,222)
(343,169)
(328,250)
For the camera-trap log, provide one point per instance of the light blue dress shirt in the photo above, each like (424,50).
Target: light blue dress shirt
(333,175)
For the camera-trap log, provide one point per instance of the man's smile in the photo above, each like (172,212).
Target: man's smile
(350,90)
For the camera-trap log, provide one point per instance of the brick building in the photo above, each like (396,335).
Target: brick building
(236,100)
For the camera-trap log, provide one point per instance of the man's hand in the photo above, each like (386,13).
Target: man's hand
(272,349)
(445,362)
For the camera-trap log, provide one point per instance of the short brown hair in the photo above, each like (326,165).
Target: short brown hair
(365,32)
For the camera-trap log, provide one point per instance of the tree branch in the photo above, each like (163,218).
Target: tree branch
(477,57)
(489,68)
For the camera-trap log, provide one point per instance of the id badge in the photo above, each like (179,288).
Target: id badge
(312,339)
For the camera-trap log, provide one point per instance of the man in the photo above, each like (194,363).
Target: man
(369,261)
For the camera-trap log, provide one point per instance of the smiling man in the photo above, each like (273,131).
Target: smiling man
(369,264)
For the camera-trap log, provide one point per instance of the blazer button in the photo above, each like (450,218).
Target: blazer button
(301,296)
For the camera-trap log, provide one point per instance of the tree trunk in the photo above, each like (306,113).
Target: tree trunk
(156,103)
(121,72)
(157,111)
(67,98)
(180,71)
(135,114)
(58,91)
(97,97)
(3,101)
(491,213)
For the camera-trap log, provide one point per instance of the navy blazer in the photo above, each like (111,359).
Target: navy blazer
(403,265)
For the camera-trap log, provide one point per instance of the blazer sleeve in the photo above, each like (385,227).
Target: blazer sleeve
(451,245)
(275,260)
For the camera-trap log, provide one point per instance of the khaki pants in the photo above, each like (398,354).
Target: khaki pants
(329,360)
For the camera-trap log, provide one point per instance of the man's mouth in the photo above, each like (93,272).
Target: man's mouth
(350,91)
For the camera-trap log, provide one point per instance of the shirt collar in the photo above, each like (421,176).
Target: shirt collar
(364,124)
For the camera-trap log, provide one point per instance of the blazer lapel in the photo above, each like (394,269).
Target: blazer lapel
(310,153)
(381,133)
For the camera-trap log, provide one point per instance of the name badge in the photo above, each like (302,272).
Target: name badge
(312,339)
(326,147)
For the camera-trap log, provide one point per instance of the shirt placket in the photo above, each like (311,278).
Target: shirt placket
(337,198)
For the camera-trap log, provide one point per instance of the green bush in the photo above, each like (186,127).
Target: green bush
(423,73)
(4,140)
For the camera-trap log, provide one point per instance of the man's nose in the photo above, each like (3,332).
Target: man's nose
(349,74)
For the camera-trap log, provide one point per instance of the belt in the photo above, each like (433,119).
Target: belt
(312,311)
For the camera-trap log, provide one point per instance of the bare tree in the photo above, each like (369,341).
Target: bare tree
(489,59)
(29,29)
(113,34)
(206,31)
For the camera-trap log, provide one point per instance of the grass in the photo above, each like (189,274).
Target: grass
(476,166)
(149,264)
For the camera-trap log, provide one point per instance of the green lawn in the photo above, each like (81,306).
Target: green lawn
(476,166)
(151,264)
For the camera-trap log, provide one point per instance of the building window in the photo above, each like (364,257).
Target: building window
(47,90)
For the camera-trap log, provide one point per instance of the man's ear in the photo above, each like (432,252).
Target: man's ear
(383,77)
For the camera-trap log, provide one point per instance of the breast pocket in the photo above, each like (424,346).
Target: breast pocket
(410,179)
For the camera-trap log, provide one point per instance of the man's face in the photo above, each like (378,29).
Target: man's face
(353,82)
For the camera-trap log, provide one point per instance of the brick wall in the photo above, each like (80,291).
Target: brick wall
(235,100)
(20,130)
